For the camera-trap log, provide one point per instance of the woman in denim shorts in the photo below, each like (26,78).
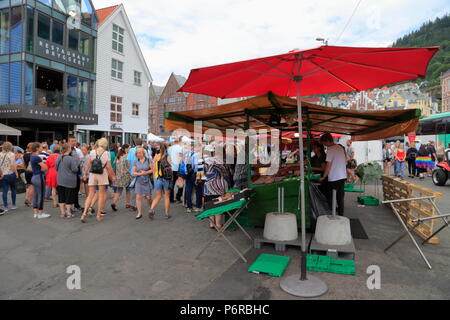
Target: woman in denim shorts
(161,185)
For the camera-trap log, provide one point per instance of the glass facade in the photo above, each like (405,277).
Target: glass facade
(4,31)
(43,62)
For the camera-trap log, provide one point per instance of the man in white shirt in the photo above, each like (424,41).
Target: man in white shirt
(335,172)
(176,154)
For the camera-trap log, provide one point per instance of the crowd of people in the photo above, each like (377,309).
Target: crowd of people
(145,174)
(418,160)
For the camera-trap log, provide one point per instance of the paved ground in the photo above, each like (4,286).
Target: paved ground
(122,258)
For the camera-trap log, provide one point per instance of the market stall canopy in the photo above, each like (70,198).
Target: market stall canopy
(326,69)
(8,131)
(270,111)
(152,138)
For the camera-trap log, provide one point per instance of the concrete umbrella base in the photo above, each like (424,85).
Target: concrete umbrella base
(310,288)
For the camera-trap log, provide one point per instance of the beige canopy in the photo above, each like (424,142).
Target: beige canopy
(8,131)
(270,111)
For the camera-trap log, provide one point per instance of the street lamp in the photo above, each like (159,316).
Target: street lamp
(324,41)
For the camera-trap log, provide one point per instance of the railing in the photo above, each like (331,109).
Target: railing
(57,100)
(50,99)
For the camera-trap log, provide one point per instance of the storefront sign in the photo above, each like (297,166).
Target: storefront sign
(412,138)
(59,53)
(116,127)
(47,114)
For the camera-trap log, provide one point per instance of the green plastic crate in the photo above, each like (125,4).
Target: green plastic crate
(326,264)
(369,201)
(270,264)
(351,188)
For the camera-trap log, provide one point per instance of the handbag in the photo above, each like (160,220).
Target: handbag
(20,186)
(132,183)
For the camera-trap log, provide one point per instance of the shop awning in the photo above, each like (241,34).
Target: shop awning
(8,131)
(271,111)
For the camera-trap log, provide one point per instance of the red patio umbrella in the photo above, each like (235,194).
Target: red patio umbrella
(322,70)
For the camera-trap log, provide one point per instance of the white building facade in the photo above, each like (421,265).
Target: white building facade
(123,80)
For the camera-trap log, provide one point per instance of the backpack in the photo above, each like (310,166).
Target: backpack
(186,169)
(165,168)
(97,166)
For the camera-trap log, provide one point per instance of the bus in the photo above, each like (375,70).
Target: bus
(438,128)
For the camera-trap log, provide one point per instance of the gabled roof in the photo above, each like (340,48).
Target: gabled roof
(104,13)
(156,90)
(113,12)
(180,79)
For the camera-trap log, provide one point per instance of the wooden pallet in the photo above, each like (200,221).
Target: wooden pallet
(395,189)
(279,245)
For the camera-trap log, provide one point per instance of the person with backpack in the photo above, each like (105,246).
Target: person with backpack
(411,156)
(100,171)
(162,176)
(142,169)
(67,168)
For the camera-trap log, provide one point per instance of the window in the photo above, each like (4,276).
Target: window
(30,29)
(83,95)
(86,12)
(117,69)
(4,31)
(116,109)
(44,27)
(73,39)
(15,83)
(47,2)
(29,83)
(85,41)
(135,110)
(137,77)
(117,42)
(4,80)
(58,33)
(16,29)
(72,93)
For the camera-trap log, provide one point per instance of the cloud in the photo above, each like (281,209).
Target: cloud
(179,35)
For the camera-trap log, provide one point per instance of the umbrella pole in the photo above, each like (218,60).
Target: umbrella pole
(302,205)
(302,285)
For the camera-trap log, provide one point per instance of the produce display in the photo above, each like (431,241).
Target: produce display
(369,172)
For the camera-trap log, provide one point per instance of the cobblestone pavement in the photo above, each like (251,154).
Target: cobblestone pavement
(121,258)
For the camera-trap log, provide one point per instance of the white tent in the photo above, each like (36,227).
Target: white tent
(152,138)
(8,131)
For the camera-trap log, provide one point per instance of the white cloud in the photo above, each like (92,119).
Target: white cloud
(198,33)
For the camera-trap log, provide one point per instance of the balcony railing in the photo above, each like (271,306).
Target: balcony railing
(50,99)
(57,100)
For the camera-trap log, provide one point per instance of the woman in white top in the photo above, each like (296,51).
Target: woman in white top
(100,180)
(9,170)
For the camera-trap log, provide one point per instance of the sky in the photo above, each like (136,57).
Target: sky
(180,35)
